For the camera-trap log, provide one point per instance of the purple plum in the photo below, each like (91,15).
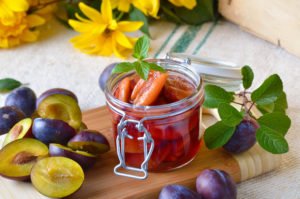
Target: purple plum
(9,116)
(243,138)
(178,192)
(52,131)
(216,184)
(105,75)
(24,99)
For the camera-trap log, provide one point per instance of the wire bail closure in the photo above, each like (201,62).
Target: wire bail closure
(120,145)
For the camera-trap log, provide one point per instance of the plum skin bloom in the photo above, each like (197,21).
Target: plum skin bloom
(101,34)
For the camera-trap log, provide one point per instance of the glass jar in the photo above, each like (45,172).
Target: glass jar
(157,138)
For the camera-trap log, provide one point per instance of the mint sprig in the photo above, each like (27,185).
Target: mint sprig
(269,98)
(8,84)
(142,67)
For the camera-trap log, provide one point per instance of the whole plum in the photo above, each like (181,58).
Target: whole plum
(23,98)
(215,184)
(9,116)
(243,138)
(105,75)
(52,131)
(178,192)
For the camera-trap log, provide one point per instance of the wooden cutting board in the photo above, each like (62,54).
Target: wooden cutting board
(101,182)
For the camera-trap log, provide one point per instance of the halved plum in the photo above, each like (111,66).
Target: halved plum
(20,130)
(54,91)
(52,131)
(61,107)
(9,116)
(57,177)
(90,141)
(18,157)
(86,160)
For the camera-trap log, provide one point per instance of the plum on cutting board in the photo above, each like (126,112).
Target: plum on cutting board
(18,157)
(24,99)
(52,131)
(9,116)
(178,192)
(57,177)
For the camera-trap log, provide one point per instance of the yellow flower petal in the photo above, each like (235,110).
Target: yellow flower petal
(124,5)
(4,43)
(122,39)
(29,36)
(6,15)
(149,7)
(114,3)
(90,12)
(189,4)
(106,11)
(129,26)
(87,27)
(81,18)
(17,5)
(35,20)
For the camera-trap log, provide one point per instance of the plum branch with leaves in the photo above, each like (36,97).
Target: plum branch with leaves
(238,130)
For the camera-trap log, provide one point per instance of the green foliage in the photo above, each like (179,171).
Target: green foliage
(136,15)
(248,76)
(8,84)
(229,115)
(141,48)
(215,95)
(277,121)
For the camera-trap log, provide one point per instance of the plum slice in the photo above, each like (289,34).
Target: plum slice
(52,131)
(61,107)
(57,177)
(20,130)
(90,141)
(86,160)
(18,157)
(9,116)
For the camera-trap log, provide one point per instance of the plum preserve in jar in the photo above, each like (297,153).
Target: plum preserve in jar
(156,122)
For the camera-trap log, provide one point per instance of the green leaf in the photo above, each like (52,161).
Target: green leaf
(215,95)
(267,108)
(271,140)
(142,70)
(169,14)
(269,91)
(281,103)
(276,121)
(141,48)
(217,135)
(229,115)
(248,76)
(137,15)
(8,84)
(123,67)
(153,66)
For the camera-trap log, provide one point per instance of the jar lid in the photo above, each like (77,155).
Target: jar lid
(213,71)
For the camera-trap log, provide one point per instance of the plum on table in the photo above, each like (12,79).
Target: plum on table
(90,141)
(19,130)
(23,98)
(178,192)
(86,160)
(18,157)
(215,184)
(57,177)
(9,116)
(52,131)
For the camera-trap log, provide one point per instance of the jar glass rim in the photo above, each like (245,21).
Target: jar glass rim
(169,63)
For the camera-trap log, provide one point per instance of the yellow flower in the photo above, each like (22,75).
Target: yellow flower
(148,7)
(23,30)
(8,8)
(122,5)
(101,34)
(45,8)
(189,4)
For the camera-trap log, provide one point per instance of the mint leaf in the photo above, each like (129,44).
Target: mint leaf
(248,76)
(229,115)
(141,48)
(142,70)
(269,91)
(271,140)
(8,84)
(123,67)
(280,105)
(137,15)
(217,135)
(215,95)
(277,121)
(266,108)
(153,66)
